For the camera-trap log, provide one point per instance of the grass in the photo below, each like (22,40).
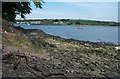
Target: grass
(38,40)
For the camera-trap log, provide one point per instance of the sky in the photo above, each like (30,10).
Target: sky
(102,11)
(82,0)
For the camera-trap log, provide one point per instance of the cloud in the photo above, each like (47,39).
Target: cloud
(47,14)
(98,10)
(78,10)
(81,0)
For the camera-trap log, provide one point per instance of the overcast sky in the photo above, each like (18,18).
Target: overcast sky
(94,10)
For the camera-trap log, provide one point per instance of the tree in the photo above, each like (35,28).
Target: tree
(78,23)
(56,20)
(11,9)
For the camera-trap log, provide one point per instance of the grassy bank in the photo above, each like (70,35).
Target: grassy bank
(34,53)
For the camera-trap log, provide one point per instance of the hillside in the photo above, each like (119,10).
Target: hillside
(32,53)
(68,22)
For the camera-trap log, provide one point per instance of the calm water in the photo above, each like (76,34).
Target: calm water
(85,33)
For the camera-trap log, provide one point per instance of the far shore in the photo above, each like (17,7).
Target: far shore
(67,25)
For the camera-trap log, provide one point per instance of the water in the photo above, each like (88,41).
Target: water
(84,33)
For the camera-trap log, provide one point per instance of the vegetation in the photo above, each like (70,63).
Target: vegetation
(32,52)
(68,22)
(11,9)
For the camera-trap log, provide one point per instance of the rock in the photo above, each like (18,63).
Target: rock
(57,57)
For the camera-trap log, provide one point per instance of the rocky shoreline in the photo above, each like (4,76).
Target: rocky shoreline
(32,53)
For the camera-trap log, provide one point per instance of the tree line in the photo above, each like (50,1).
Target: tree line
(68,22)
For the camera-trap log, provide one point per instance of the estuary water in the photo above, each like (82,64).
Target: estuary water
(108,34)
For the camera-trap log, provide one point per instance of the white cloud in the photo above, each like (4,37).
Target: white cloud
(96,11)
(107,11)
(36,14)
(81,0)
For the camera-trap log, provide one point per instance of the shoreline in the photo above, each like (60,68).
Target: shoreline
(51,55)
(70,25)
(107,43)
